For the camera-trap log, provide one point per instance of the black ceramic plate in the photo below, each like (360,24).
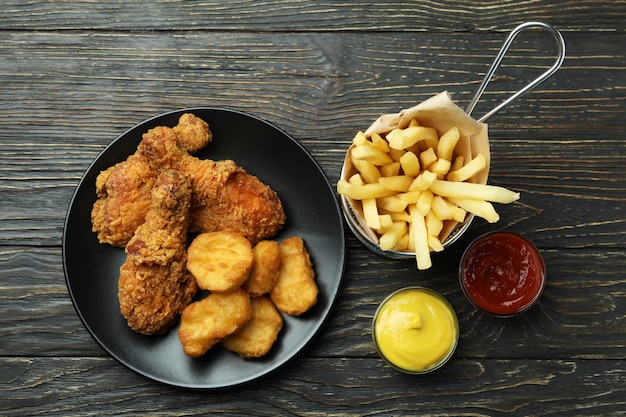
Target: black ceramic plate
(91,269)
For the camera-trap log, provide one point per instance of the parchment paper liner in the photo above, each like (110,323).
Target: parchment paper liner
(440,113)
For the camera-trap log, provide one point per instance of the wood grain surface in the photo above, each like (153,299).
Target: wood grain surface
(74,75)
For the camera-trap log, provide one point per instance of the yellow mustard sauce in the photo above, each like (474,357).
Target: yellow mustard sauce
(416,330)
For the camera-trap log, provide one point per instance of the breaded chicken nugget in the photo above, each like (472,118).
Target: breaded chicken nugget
(295,290)
(220,261)
(255,338)
(265,269)
(205,322)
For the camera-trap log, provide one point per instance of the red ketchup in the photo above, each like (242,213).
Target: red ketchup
(502,273)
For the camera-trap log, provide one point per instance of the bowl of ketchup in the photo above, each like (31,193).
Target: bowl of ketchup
(502,273)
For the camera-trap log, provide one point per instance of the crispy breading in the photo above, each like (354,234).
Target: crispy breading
(123,190)
(255,338)
(243,204)
(295,290)
(265,268)
(192,132)
(154,285)
(204,323)
(225,196)
(220,261)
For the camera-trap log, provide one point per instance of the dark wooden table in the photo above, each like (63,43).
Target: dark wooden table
(75,75)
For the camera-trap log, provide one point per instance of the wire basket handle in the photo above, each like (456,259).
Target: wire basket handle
(496,63)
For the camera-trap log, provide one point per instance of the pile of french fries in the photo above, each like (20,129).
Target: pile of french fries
(410,183)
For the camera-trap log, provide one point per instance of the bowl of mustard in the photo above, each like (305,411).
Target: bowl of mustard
(415,330)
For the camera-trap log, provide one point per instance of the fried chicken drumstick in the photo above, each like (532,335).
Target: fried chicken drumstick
(154,285)
(123,190)
(225,197)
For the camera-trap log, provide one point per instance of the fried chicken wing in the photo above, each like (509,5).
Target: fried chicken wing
(225,197)
(123,190)
(244,205)
(154,285)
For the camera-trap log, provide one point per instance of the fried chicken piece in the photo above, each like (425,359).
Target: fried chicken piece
(295,290)
(244,205)
(192,132)
(220,261)
(154,286)
(225,197)
(204,323)
(255,338)
(123,190)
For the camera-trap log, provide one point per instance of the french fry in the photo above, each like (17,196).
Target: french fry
(359,139)
(480,208)
(397,154)
(399,183)
(391,203)
(458,214)
(397,216)
(433,224)
(410,164)
(380,143)
(405,138)
(420,239)
(403,243)
(368,171)
(410,197)
(423,181)
(447,143)
(370,213)
(440,167)
(424,202)
(392,234)
(440,208)
(390,170)
(458,163)
(475,191)
(362,192)
(468,171)
(428,157)
(370,153)
(434,243)
(385,220)
(356,179)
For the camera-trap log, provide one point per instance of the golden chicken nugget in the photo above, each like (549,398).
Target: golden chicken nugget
(295,290)
(220,261)
(255,338)
(206,322)
(265,269)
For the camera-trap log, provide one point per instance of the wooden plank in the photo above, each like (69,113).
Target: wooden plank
(307,15)
(338,387)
